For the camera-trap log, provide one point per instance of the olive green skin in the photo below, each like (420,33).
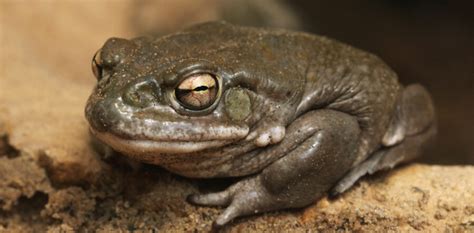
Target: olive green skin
(279,91)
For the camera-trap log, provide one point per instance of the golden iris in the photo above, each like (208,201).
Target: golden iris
(197,92)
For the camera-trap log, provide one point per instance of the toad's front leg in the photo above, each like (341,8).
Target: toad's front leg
(302,176)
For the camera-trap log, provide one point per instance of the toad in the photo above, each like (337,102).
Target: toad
(295,115)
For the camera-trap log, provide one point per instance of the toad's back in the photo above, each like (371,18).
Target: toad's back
(349,80)
(301,72)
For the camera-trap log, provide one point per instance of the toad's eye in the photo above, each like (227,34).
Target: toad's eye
(97,65)
(197,92)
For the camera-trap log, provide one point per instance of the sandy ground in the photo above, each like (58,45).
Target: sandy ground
(51,178)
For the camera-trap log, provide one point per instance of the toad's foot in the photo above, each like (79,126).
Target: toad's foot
(243,198)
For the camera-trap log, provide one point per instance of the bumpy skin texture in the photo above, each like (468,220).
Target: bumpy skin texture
(297,114)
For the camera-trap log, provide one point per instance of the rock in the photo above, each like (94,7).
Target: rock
(411,198)
(20,177)
(71,206)
(406,199)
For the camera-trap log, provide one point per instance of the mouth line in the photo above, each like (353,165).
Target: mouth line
(140,146)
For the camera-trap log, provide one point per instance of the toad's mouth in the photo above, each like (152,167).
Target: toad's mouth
(137,147)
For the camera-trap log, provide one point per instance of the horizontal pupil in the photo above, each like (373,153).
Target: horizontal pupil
(201,88)
(182,92)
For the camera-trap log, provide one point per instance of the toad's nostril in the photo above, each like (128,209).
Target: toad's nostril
(142,94)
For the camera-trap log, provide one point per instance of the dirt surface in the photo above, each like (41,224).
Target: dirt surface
(409,199)
(51,178)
